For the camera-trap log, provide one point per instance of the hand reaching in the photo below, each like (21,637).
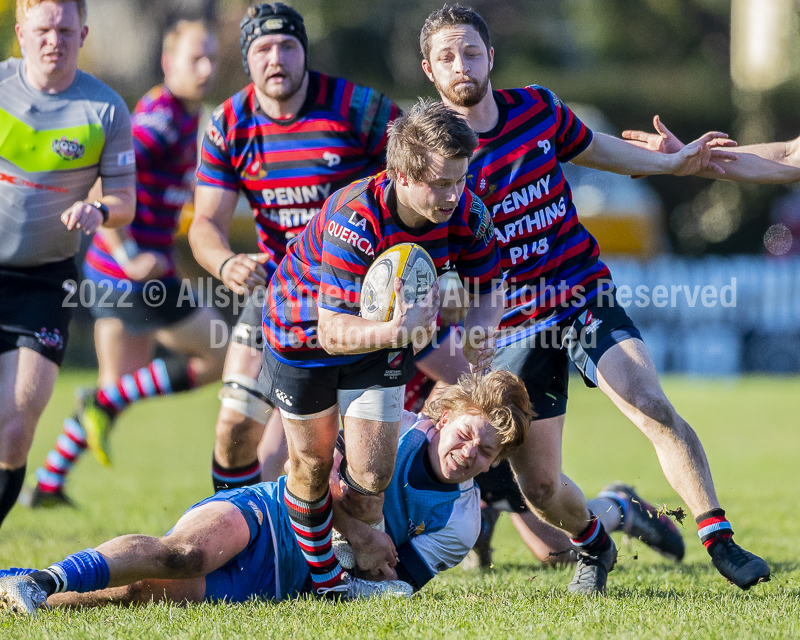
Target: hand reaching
(703,153)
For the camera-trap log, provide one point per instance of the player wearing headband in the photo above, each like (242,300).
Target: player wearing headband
(286,141)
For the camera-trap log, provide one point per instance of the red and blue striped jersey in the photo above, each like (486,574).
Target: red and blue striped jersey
(288,168)
(549,259)
(165,143)
(325,266)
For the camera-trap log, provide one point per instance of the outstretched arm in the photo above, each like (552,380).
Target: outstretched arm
(608,153)
(773,162)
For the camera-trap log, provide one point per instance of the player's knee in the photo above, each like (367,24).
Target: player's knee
(539,491)
(373,480)
(184,559)
(136,593)
(234,429)
(658,409)
(16,438)
(311,469)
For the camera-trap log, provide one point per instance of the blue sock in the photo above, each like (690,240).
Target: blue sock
(81,572)
(15,571)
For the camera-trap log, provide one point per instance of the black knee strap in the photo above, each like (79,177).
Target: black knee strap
(344,474)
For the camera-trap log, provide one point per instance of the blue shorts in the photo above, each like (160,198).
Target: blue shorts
(251,573)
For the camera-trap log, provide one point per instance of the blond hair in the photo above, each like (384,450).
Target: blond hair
(24,7)
(500,396)
(428,126)
(176,31)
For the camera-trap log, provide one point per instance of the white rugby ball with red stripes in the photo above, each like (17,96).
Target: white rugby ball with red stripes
(407,261)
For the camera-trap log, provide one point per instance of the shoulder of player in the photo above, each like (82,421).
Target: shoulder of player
(357,197)
(94,90)
(9,68)
(159,110)
(344,97)
(236,111)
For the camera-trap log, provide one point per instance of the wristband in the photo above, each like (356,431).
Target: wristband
(224,262)
(103,209)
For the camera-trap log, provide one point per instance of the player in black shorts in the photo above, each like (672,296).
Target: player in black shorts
(57,141)
(561,305)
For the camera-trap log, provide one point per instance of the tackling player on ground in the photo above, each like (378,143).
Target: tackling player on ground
(121,262)
(287,141)
(560,304)
(240,544)
(60,129)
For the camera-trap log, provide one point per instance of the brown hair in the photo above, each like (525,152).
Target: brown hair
(428,126)
(500,396)
(24,6)
(452,15)
(177,30)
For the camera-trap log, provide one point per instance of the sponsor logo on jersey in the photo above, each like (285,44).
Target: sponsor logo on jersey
(126,158)
(256,510)
(68,149)
(22,182)
(287,196)
(485,228)
(350,237)
(333,159)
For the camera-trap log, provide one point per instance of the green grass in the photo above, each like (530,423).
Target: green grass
(162,452)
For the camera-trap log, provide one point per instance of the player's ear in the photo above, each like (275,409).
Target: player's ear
(491,58)
(84,33)
(401,178)
(426,67)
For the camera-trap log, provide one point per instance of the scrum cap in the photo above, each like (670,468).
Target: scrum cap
(266,19)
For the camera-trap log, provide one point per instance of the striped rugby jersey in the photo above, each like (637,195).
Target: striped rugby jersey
(548,256)
(287,168)
(53,147)
(165,142)
(327,263)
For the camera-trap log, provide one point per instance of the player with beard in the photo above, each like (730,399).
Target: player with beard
(560,302)
(60,130)
(287,141)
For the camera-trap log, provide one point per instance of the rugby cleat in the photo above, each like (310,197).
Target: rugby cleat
(97,424)
(642,522)
(591,572)
(740,567)
(21,595)
(350,588)
(37,498)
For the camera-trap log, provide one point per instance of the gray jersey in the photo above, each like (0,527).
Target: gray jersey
(52,149)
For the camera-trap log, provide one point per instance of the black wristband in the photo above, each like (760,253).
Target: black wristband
(224,262)
(103,209)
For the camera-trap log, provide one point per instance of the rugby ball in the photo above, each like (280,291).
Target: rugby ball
(407,261)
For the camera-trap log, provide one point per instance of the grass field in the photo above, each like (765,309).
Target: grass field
(162,452)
